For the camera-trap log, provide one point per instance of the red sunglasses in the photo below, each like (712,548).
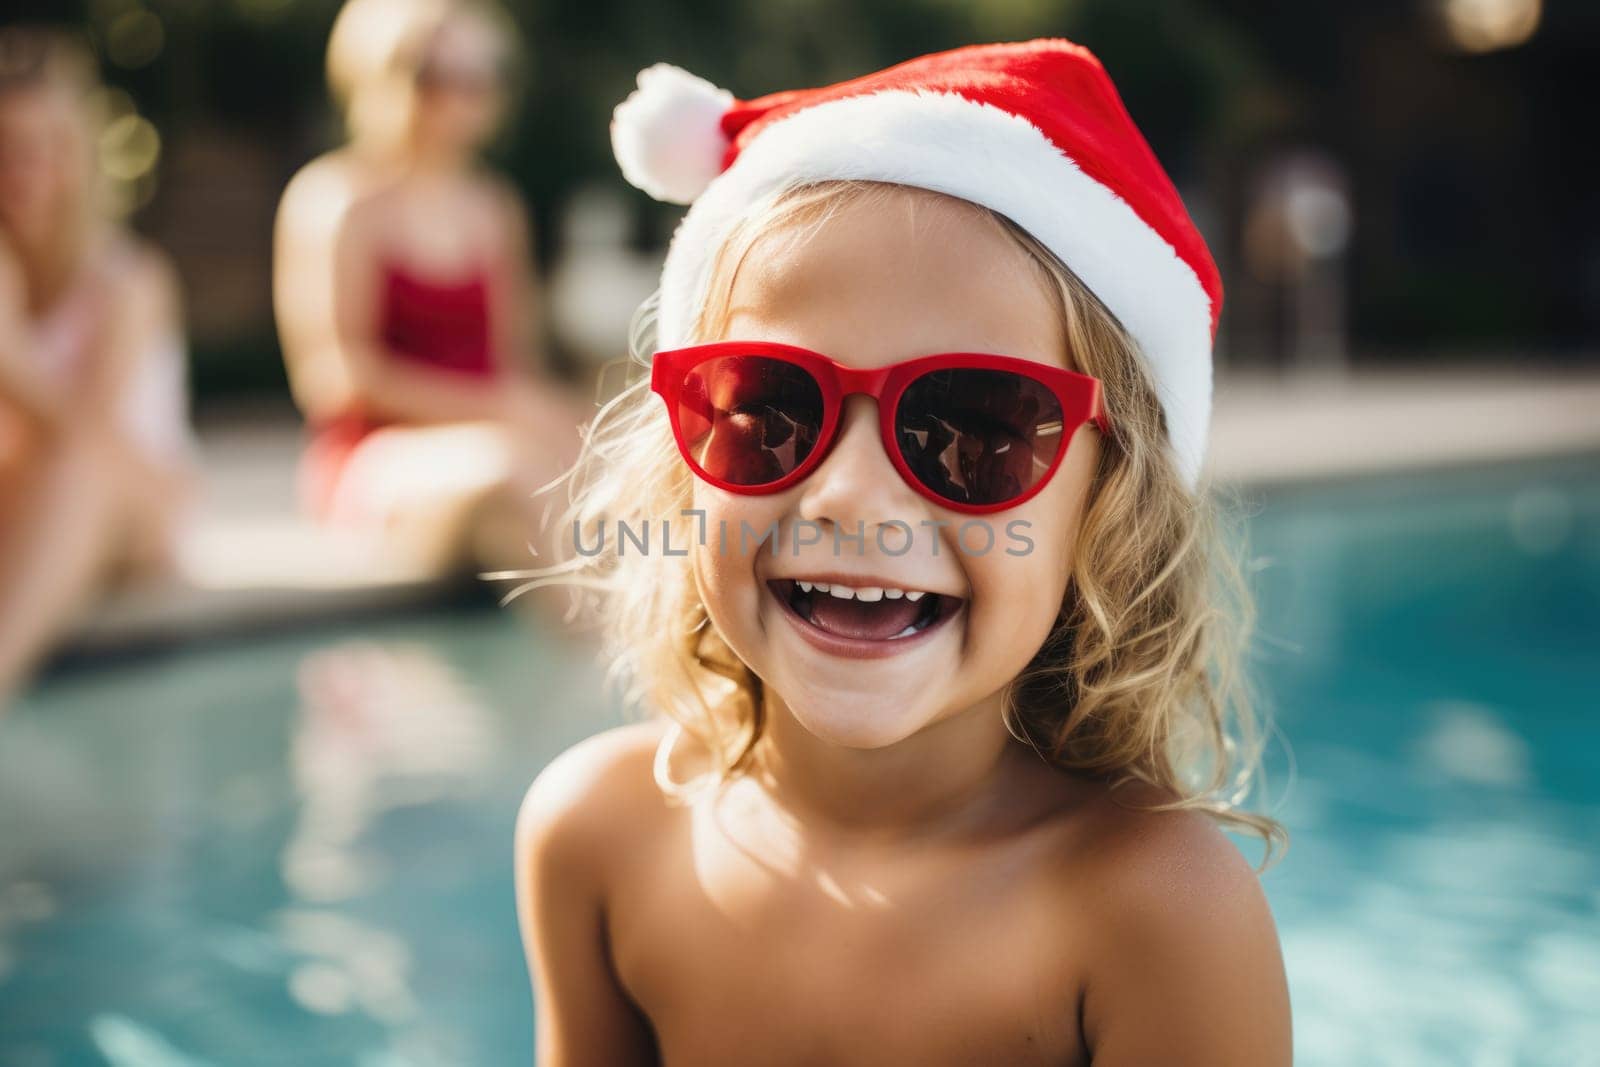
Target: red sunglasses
(972,432)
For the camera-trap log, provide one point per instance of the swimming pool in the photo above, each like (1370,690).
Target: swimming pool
(1432,655)
(297,849)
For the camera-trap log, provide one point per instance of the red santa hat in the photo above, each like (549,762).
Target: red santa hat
(1035,131)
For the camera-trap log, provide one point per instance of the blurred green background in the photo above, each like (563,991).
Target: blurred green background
(1474,229)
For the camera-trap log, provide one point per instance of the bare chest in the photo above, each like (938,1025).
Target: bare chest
(413,233)
(781,955)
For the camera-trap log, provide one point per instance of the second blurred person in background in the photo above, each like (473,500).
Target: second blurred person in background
(405,296)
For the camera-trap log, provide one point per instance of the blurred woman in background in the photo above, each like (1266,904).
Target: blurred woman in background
(96,454)
(405,296)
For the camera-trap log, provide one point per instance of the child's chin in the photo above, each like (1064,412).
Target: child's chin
(860,724)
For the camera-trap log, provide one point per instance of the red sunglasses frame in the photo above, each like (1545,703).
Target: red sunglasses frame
(1078,394)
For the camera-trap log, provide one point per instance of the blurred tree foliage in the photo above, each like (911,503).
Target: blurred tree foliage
(1215,84)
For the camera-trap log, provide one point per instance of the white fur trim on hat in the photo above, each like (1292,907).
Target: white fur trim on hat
(667,135)
(978,152)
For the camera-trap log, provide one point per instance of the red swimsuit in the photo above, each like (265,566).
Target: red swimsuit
(442,325)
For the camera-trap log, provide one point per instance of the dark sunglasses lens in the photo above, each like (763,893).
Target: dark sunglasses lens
(978,437)
(749,420)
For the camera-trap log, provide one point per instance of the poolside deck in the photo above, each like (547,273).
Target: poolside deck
(251,560)
(1289,429)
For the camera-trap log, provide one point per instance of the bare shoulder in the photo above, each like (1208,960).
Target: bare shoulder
(1177,930)
(499,205)
(596,801)
(588,815)
(329,177)
(495,191)
(151,270)
(1135,850)
(327,195)
(146,267)
(141,289)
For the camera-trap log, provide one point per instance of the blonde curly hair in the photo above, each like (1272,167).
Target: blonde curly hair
(1139,679)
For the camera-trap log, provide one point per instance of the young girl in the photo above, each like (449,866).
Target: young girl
(943,713)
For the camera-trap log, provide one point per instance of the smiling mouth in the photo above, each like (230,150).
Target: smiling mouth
(883,620)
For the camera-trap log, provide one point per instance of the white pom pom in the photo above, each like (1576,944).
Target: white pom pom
(667,136)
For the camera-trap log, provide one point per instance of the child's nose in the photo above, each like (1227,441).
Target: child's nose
(857,483)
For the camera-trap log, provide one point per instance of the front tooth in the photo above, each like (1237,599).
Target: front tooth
(805,587)
(821,587)
(894,594)
(843,592)
(869,593)
(915,595)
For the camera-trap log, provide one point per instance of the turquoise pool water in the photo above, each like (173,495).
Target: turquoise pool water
(1433,651)
(297,850)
